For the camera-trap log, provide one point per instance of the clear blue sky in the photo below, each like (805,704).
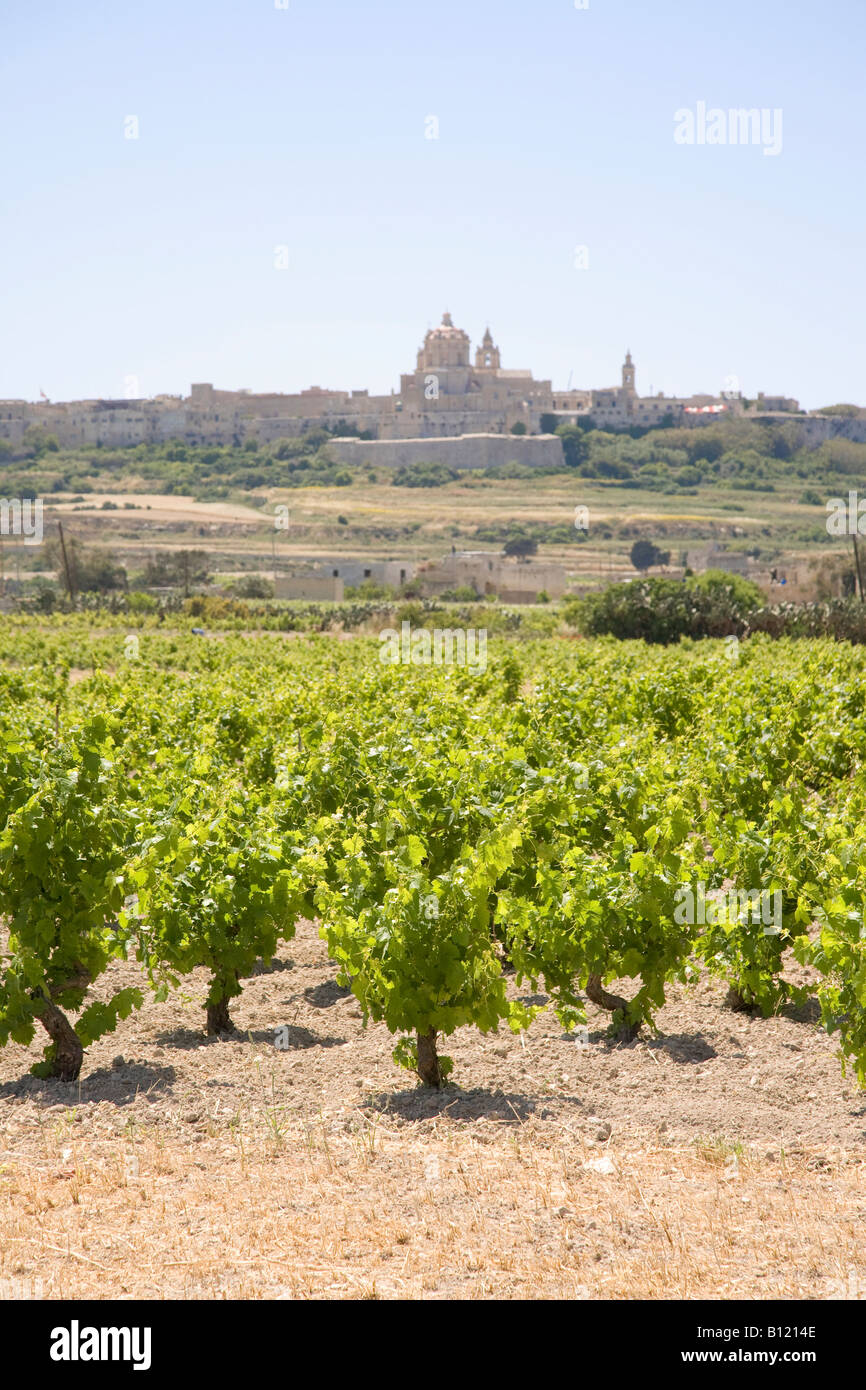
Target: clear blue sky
(305,127)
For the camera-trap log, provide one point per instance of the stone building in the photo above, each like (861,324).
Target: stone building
(489,573)
(451,393)
(448,395)
(313,587)
(712,557)
(344,570)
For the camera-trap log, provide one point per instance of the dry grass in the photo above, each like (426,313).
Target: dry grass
(260,1207)
(421,523)
(723,1159)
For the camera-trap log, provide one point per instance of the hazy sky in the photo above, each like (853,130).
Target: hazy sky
(305,128)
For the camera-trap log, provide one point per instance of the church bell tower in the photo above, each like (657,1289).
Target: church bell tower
(628,375)
(487,355)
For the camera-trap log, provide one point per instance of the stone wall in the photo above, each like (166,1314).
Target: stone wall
(463,451)
(314,587)
(814,429)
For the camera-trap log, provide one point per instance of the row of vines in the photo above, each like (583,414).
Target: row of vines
(185,802)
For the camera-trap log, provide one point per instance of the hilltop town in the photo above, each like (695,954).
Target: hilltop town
(481,412)
(419,490)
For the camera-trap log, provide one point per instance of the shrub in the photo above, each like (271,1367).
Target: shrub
(744,594)
(663,610)
(463,594)
(141,603)
(253,586)
(424,475)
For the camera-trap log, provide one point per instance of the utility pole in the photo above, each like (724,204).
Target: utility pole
(859,570)
(69,587)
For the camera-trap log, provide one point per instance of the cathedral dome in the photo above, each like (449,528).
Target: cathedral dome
(445,346)
(446,330)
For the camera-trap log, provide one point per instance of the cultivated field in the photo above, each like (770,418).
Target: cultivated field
(478,846)
(381,521)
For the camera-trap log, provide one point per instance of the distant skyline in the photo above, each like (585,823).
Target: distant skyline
(580,195)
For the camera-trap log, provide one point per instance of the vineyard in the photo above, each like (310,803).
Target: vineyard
(582,826)
(551,817)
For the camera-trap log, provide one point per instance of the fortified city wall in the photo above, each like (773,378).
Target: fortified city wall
(450,399)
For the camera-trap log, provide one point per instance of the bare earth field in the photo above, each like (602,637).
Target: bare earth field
(725,1158)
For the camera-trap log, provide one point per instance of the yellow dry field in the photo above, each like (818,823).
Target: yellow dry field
(375,520)
(317,1210)
(723,1158)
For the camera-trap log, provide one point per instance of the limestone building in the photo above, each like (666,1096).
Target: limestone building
(452,392)
(447,394)
(513,581)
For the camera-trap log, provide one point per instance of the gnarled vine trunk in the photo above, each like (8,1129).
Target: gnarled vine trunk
(219,1019)
(738,1002)
(68,1050)
(428,1059)
(596,991)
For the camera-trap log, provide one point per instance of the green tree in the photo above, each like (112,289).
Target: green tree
(520,546)
(182,568)
(644,554)
(574,445)
(37,441)
(253,586)
(92,570)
